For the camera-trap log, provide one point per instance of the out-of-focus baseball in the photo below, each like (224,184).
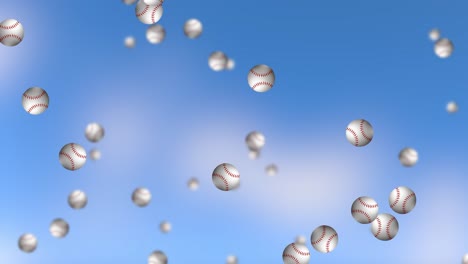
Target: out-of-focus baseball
(217,61)
(255,140)
(130,42)
(153,2)
(95,154)
(129,2)
(230,64)
(443,48)
(408,157)
(465,259)
(193,184)
(384,227)
(434,34)
(155,34)
(359,132)
(35,100)
(261,78)
(157,257)
(27,243)
(226,177)
(59,228)
(72,156)
(452,107)
(94,132)
(364,209)
(324,239)
(193,28)
(77,199)
(254,154)
(296,254)
(165,227)
(301,240)
(271,170)
(141,197)
(11,32)
(402,200)
(148,14)
(231,259)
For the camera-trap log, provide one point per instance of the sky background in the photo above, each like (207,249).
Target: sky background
(168,117)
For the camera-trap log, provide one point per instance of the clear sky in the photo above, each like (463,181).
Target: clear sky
(168,117)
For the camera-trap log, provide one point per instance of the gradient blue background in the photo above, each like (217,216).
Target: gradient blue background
(168,118)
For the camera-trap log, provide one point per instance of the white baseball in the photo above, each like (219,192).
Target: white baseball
(193,28)
(452,107)
(59,228)
(301,240)
(11,32)
(359,132)
(193,184)
(364,209)
(324,239)
(402,200)
(157,257)
(384,227)
(72,156)
(217,61)
(465,259)
(434,34)
(443,48)
(261,78)
(165,227)
(231,260)
(408,157)
(153,2)
(77,199)
(230,64)
(226,177)
(95,154)
(148,14)
(296,254)
(94,132)
(141,197)
(271,170)
(35,100)
(155,34)
(255,140)
(254,154)
(27,243)
(129,2)
(130,42)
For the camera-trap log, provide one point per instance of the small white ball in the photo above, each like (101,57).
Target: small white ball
(230,64)
(302,240)
(384,227)
(11,32)
(231,260)
(148,14)
(59,228)
(193,184)
(254,154)
(141,197)
(157,257)
(271,170)
(72,156)
(226,177)
(255,140)
(359,132)
(324,239)
(452,107)
(402,200)
(296,254)
(94,132)
(261,78)
(408,157)
(155,34)
(129,2)
(217,61)
(165,227)
(130,42)
(27,243)
(35,100)
(443,48)
(95,154)
(434,34)
(193,28)
(364,209)
(77,199)
(465,259)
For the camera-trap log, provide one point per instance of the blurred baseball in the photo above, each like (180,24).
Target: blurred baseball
(384,227)
(11,32)
(359,132)
(230,64)
(27,243)
(452,107)
(94,132)
(296,254)
(141,197)
(465,259)
(72,156)
(129,2)
(226,177)
(193,28)
(155,34)
(254,154)
(148,14)
(231,260)
(301,240)
(157,257)
(434,34)
(59,228)
(364,209)
(261,78)
(153,2)
(443,48)
(255,140)
(193,184)
(408,157)
(402,200)
(77,199)
(35,100)
(165,227)
(271,170)
(95,154)
(324,239)
(217,61)
(130,42)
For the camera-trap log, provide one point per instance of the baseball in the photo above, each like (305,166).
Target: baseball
(301,240)
(364,209)
(402,200)
(271,170)
(94,132)
(148,14)
(77,199)
(59,228)
(130,42)
(231,260)
(35,100)
(452,107)
(324,239)
(226,177)
(129,2)
(95,154)
(165,227)
(157,257)
(193,28)
(11,32)
(359,132)
(72,156)
(261,78)
(443,48)
(465,259)
(296,254)
(193,184)
(230,64)
(434,34)
(254,154)
(217,61)
(155,34)
(153,2)
(27,243)
(255,140)
(384,227)
(141,197)
(408,157)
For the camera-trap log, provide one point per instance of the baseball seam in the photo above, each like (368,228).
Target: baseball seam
(230,173)
(222,178)
(261,74)
(362,212)
(356,139)
(10,36)
(70,158)
(379,228)
(397,198)
(76,152)
(329,241)
(321,237)
(34,97)
(406,200)
(388,227)
(143,12)
(154,12)
(362,131)
(291,256)
(366,204)
(299,252)
(262,83)
(37,105)
(10,27)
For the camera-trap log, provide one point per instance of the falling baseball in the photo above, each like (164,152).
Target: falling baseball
(408,157)
(77,199)
(193,28)
(296,254)
(193,184)
(157,257)
(324,239)
(261,78)
(95,154)
(271,170)
(254,154)
(402,200)
(230,64)
(141,197)
(359,132)
(130,42)
(35,100)
(364,209)
(129,2)
(255,140)
(94,132)
(226,177)
(452,107)
(148,14)
(384,227)
(465,259)
(155,34)
(72,156)
(153,2)
(443,48)
(434,34)
(11,32)
(301,240)
(231,259)
(59,228)
(165,227)
(27,243)
(217,61)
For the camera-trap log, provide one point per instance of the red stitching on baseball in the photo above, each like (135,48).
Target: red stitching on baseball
(222,178)
(406,200)
(262,83)
(388,227)
(298,251)
(70,158)
(154,11)
(230,173)
(143,12)
(10,36)
(10,27)
(261,74)
(362,130)
(37,105)
(328,242)
(356,139)
(362,212)
(379,229)
(366,204)
(397,198)
(291,256)
(34,97)
(76,152)
(321,237)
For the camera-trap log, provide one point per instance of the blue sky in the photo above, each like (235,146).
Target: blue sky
(168,118)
